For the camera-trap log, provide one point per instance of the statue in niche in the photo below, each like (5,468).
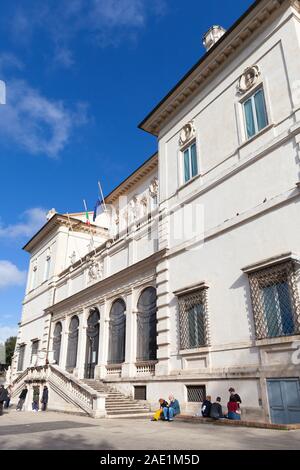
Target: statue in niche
(73,258)
(95,271)
(134,208)
(144,205)
(153,188)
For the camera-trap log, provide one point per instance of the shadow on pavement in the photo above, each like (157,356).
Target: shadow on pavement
(57,442)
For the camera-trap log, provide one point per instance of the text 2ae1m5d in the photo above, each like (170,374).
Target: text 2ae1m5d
(172,459)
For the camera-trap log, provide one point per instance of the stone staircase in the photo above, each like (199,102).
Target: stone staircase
(118,405)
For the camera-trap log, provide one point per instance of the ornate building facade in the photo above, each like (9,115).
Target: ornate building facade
(188,282)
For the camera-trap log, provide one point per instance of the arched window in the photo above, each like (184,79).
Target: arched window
(147,326)
(72,344)
(117,331)
(92,343)
(57,342)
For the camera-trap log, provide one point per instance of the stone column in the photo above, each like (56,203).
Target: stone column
(129,367)
(100,369)
(79,371)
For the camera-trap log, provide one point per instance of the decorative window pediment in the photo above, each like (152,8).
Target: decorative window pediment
(248,79)
(187,134)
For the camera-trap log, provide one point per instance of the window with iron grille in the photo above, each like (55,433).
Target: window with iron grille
(21,357)
(193,319)
(196,393)
(140,392)
(275,301)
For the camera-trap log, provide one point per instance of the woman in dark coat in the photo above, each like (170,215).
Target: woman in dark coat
(44,399)
(3,398)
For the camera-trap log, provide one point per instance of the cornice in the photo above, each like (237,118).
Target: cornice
(144,170)
(215,58)
(74,300)
(59,220)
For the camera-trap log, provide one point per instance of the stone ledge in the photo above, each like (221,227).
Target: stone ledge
(246,424)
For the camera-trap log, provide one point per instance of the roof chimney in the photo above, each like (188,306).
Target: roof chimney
(212,36)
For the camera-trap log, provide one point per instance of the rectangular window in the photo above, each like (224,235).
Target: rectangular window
(21,357)
(196,393)
(275,301)
(190,163)
(255,113)
(193,320)
(140,392)
(34,350)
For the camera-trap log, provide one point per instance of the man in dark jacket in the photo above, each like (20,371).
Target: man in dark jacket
(216,411)
(3,398)
(44,399)
(22,398)
(206,406)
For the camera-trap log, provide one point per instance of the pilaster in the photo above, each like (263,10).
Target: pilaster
(163,319)
(129,368)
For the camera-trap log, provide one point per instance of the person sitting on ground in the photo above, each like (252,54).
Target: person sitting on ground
(206,406)
(22,399)
(172,410)
(234,396)
(233,411)
(159,413)
(216,411)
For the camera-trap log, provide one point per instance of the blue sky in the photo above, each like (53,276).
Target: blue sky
(80,76)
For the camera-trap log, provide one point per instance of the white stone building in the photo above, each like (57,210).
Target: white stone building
(192,288)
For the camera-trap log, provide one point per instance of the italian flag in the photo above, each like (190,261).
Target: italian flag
(87,219)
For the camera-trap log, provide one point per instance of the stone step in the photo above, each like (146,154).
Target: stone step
(146,415)
(125,412)
(127,406)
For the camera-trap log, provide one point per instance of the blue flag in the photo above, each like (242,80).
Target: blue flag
(98,203)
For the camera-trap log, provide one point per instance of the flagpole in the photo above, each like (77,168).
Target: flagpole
(89,225)
(102,197)
(70,228)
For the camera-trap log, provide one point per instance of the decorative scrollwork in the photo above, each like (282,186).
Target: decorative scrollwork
(187,133)
(249,78)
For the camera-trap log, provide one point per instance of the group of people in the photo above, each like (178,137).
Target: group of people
(215,411)
(167,410)
(5,395)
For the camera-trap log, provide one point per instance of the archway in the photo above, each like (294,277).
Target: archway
(147,326)
(92,343)
(57,342)
(117,332)
(72,344)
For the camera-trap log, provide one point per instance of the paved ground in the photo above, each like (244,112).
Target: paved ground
(61,431)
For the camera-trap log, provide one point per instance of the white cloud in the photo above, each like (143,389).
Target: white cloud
(105,22)
(30,222)
(36,123)
(6,332)
(10,275)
